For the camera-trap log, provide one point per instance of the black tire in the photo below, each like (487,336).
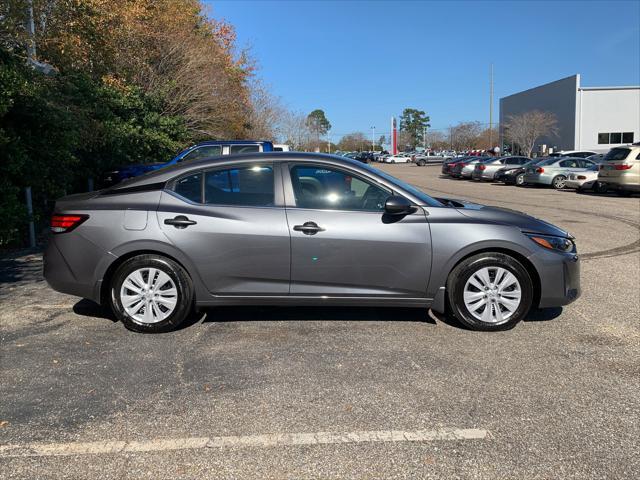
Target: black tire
(600,187)
(465,269)
(181,279)
(519,179)
(558,182)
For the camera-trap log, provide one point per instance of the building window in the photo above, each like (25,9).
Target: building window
(627,137)
(607,138)
(615,138)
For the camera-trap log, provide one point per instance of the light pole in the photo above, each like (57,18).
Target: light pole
(373,138)
(424,137)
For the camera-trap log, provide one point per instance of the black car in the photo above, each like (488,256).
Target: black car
(515,176)
(364,157)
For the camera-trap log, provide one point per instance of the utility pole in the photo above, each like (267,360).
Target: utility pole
(491,109)
(373,138)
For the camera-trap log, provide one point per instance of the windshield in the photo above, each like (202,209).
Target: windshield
(423,197)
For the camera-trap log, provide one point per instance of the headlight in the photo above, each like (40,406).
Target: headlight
(562,244)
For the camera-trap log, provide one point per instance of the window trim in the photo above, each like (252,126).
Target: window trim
(290,198)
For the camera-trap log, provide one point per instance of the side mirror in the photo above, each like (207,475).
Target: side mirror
(397,205)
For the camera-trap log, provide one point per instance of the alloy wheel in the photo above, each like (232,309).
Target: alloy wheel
(148,295)
(492,295)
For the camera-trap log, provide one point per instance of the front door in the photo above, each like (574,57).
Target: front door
(342,244)
(228,222)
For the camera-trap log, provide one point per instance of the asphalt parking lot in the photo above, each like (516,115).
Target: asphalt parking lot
(336,392)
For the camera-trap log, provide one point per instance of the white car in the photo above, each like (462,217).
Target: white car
(399,158)
(587,180)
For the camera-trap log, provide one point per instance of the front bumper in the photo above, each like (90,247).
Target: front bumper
(560,281)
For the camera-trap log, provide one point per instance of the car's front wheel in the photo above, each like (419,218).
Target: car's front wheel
(151,293)
(520,179)
(490,291)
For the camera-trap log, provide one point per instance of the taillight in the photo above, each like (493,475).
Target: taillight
(622,167)
(581,177)
(66,223)
(462,165)
(482,167)
(540,170)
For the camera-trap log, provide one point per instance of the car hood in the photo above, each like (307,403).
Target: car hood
(505,216)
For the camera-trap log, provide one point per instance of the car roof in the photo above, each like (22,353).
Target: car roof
(165,174)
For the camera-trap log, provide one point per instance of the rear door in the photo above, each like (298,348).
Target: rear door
(342,244)
(231,222)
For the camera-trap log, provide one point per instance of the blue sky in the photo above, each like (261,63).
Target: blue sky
(364,61)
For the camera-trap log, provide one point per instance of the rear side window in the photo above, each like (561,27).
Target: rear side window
(617,154)
(190,187)
(250,186)
(203,152)
(243,149)
(569,164)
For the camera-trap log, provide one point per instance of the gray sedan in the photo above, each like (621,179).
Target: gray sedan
(290,228)
(487,170)
(555,171)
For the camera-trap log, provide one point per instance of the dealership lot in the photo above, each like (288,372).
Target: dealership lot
(336,392)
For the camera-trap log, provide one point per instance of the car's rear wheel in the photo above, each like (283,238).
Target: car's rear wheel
(558,182)
(151,293)
(600,187)
(490,291)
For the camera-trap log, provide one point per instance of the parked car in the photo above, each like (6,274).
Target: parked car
(515,175)
(447,165)
(620,170)
(206,149)
(555,170)
(573,153)
(464,169)
(301,229)
(281,148)
(399,158)
(487,170)
(364,157)
(587,180)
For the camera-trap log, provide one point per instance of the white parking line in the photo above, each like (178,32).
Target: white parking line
(247,441)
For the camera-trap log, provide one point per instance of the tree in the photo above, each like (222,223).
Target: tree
(294,130)
(354,141)
(413,122)
(464,135)
(318,124)
(382,140)
(526,129)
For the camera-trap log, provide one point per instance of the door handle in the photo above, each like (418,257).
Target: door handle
(180,221)
(308,228)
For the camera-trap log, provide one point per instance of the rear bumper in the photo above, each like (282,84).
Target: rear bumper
(626,187)
(60,276)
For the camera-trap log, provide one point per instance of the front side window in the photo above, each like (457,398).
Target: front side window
(322,187)
(205,151)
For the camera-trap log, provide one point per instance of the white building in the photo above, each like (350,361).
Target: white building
(589,118)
